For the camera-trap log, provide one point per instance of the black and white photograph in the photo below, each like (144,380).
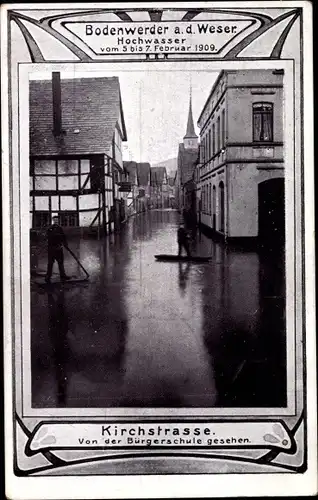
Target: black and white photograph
(157,240)
(157,186)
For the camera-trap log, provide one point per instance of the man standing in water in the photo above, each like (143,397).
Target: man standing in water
(183,241)
(56,240)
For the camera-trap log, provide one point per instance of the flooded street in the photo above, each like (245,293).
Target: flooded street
(142,333)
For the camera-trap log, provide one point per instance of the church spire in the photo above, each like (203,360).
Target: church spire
(190,140)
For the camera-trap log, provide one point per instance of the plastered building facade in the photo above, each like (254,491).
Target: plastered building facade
(240,177)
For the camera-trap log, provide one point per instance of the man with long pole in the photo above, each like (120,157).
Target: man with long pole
(56,241)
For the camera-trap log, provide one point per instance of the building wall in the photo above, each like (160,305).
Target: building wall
(186,163)
(211,203)
(135,202)
(243,181)
(234,157)
(65,186)
(118,147)
(190,143)
(240,126)
(214,133)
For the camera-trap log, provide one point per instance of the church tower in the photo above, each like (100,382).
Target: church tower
(190,140)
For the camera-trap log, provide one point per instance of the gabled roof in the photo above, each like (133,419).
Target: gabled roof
(187,160)
(131,168)
(91,109)
(143,174)
(158,175)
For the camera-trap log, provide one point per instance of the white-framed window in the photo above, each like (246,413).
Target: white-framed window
(262,122)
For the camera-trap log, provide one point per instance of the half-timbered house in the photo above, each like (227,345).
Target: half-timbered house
(76,132)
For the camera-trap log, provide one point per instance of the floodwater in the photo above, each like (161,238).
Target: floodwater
(142,333)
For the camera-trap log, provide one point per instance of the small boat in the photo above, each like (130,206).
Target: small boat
(181,258)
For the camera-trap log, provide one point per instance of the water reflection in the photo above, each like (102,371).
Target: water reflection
(79,361)
(184,270)
(58,326)
(244,328)
(143,333)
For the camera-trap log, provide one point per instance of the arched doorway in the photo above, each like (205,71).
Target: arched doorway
(271,213)
(221,213)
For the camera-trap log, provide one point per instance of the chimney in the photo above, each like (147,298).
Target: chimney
(57,110)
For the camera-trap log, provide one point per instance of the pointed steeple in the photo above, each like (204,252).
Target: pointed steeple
(190,140)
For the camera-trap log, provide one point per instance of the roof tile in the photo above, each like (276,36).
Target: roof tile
(90,105)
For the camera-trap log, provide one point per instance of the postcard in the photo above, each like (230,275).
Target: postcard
(159,312)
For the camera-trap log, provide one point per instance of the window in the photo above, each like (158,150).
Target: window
(69,219)
(97,173)
(85,166)
(262,121)
(210,199)
(213,140)
(108,166)
(209,145)
(116,176)
(68,173)
(41,220)
(222,207)
(67,182)
(201,148)
(218,135)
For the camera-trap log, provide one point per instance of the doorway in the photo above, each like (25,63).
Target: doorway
(222,207)
(271,214)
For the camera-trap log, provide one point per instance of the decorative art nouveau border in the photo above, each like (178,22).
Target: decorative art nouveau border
(37,36)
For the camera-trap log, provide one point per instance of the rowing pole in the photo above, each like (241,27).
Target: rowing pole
(77,260)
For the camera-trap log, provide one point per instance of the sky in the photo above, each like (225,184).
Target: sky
(155,106)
